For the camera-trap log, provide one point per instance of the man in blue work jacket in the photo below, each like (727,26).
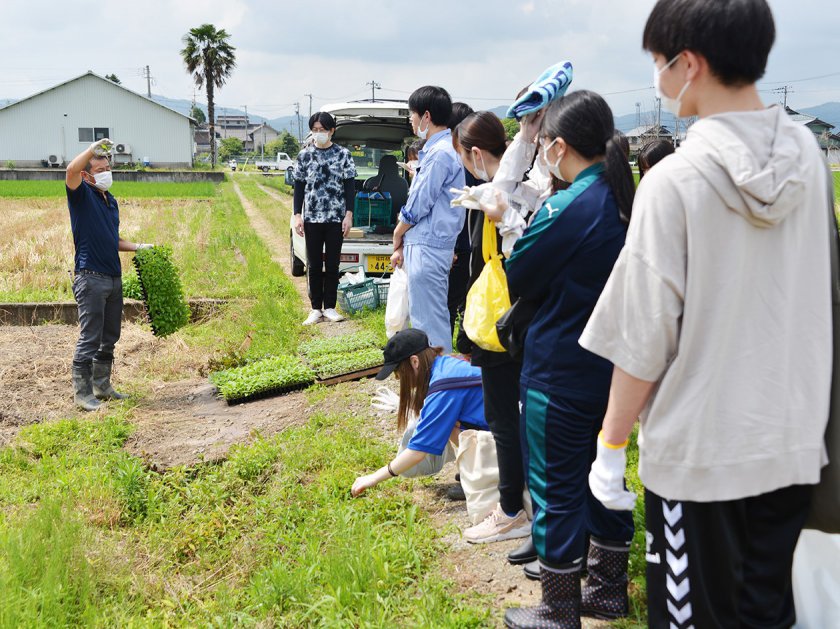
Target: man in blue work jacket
(424,239)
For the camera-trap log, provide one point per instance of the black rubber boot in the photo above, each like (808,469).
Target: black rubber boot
(526,553)
(83,388)
(560,607)
(532,570)
(102,388)
(605,591)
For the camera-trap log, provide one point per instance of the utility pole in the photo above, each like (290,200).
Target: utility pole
(224,121)
(373,87)
(245,142)
(658,116)
(638,114)
(787,89)
(297,113)
(148,75)
(310,104)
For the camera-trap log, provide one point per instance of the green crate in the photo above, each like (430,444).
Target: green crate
(355,297)
(372,209)
(382,286)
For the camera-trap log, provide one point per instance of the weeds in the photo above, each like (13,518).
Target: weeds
(121,189)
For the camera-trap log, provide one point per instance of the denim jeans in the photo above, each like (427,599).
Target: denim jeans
(100,302)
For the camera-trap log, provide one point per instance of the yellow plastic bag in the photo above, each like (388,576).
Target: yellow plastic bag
(488,298)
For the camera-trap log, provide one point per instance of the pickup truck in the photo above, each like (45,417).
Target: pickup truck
(282,162)
(369,130)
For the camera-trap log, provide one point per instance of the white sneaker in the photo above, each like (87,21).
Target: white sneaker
(331,315)
(314,317)
(499,526)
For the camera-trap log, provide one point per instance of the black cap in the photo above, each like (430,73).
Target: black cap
(402,345)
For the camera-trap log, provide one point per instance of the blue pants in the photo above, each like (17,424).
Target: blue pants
(428,288)
(562,443)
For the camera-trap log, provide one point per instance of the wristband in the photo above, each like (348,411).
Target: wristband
(390,471)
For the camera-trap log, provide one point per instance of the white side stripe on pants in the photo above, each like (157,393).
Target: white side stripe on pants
(677,582)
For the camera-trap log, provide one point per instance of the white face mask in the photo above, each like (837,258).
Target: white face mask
(103,180)
(554,168)
(671,105)
(422,133)
(480,173)
(321,138)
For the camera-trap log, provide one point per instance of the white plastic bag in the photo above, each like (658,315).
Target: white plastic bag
(479,469)
(816,580)
(396,311)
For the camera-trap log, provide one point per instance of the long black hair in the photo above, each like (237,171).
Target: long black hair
(584,120)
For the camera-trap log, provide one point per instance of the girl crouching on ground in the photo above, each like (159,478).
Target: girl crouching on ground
(442,392)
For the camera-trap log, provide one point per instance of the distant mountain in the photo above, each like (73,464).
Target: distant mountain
(829,112)
(283,123)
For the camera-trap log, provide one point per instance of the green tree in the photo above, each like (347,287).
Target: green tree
(210,59)
(283,143)
(113,77)
(230,147)
(511,127)
(197,114)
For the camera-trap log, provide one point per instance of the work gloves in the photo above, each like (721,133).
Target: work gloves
(144,245)
(606,478)
(385,400)
(102,148)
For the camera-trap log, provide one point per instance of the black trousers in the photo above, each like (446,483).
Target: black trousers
(459,278)
(500,384)
(723,564)
(323,252)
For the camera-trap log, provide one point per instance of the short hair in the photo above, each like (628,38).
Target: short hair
(482,130)
(433,99)
(415,147)
(734,36)
(89,165)
(653,152)
(326,120)
(459,112)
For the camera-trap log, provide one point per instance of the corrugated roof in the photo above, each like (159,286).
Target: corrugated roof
(101,78)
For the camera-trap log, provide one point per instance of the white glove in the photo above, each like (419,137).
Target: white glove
(606,479)
(102,148)
(385,400)
(144,245)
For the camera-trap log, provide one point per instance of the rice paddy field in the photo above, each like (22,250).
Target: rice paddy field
(37,189)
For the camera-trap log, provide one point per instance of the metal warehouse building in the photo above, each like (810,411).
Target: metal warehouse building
(53,126)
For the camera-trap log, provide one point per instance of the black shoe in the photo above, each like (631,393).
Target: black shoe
(532,570)
(525,553)
(605,590)
(455,492)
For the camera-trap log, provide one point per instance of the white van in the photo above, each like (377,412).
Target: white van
(375,133)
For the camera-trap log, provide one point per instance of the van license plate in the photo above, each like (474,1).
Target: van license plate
(379,264)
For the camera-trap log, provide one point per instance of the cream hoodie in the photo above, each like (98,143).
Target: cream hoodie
(722,296)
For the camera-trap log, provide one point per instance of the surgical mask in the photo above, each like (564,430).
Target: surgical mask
(554,168)
(321,138)
(671,105)
(422,133)
(481,173)
(103,180)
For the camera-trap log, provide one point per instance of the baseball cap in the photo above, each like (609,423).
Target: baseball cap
(400,346)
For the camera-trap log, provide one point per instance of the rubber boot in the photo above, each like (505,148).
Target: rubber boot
(560,607)
(526,553)
(605,590)
(102,388)
(83,388)
(532,570)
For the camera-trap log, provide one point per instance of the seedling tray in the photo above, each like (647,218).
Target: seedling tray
(275,392)
(349,377)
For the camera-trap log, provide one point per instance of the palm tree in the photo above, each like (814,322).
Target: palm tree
(210,59)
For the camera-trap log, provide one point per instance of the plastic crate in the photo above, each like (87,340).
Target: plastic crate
(382,286)
(372,208)
(355,297)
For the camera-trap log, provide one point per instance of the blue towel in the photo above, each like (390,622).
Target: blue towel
(550,85)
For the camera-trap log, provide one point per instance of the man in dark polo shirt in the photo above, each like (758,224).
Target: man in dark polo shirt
(97,284)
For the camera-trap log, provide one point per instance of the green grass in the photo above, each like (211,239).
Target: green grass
(277,183)
(89,536)
(121,189)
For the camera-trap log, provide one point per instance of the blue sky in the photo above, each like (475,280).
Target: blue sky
(481,51)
